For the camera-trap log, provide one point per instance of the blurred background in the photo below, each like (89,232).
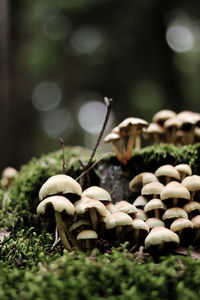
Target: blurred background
(59,58)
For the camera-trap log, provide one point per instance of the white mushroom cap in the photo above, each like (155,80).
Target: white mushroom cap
(160,235)
(152,188)
(172,122)
(192,183)
(118,219)
(140,180)
(184,168)
(180,224)
(79,223)
(141,215)
(112,136)
(87,235)
(7,176)
(154,204)
(60,184)
(97,193)
(140,201)
(196,222)
(191,206)
(139,224)
(174,212)
(174,189)
(84,205)
(123,206)
(154,222)
(125,127)
(59,203)
(163,115)
(167,170)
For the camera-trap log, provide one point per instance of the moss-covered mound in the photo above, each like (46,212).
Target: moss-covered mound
(29,270)
(108,173)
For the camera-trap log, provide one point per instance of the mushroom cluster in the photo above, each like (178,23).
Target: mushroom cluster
(83,218)
(178,129)
(169,203)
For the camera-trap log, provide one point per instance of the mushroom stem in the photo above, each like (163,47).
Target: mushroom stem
(167,180)
(175,202)
(197,235)
(192,195)
(93,216)
(122,146)
(138,142)
(63,237)
(130,145)
(157,214)
(87,245)
(118,155)
(70,234)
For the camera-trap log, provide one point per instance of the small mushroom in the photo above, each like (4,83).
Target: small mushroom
(161,240)
(167,173)
(183,227)
(97,193)
(184,170)
(172,214)
(114,138)
(192,184)
(192,208)
(140,231)
(60,205)
(141,215)
(154,222)
(155,208)
(61,185)
(175,194)
(161,116)
(171,126)
(154,133)
(123,206)
(152,190)
(8,176)
(137,183)
(88,237)
(196,228)
(140,202)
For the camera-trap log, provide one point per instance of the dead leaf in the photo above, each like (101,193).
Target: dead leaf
(187,252)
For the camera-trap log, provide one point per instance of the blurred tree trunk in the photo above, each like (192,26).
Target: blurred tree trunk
(5,86)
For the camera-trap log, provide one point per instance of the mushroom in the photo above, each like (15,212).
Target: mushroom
(183,227)
(155,208)
(123,206)
(140,230)
(171,126)
(175,194)
(161,116)
(61,185)
(154,133)
(196,228)
(192,183)
(97,193)
(184,170)
(152,190)
(113,138)
(141,215)
(140,202)
(162,240)
(8,176)
(60,206)
(172,214)
(192,208)
(154,222)
(88,237)
(167,173)
(187,128)
(94,207)
(140,180)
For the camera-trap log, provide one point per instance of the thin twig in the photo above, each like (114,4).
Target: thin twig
(63,150)
(93,165)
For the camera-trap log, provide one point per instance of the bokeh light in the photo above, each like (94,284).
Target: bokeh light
(91,116)
(180,38)
(86,40)
(57,28)
(58,122)
(46,96)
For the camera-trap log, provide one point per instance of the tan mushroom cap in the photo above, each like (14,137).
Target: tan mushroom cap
(154,128)
(172,122)
(140,180)
(127,125)
(122,206)
(159,235)
(9,172)
(141,215)
(140,201)
(112,136)
(184,168)
(87,234)
(60,204)
(169,171)
(163,115)
(118,219)
(152,188)
(174,212)
(79,223)
(192,183)
(196,222)
(97,193)
(154,222)
(59,184)
(139,224)
(86,204)
(180,224)
(154,204)
(191,206)
(174,189)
